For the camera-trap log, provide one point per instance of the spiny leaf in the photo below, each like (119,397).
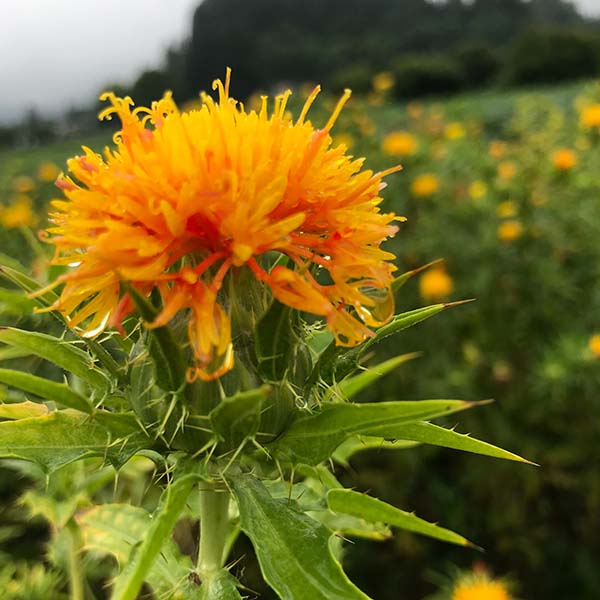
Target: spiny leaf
(428,433)
(376,511)
(174,498)
(61,353)
(62,437)
(313,438)
(115,529)
(353,385)
(14,302)
(358,443)
(402,279)
(292,548)
(46,389)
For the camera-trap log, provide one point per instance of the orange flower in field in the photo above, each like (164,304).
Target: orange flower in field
(48,171)
(589,117)
(435,284)
(564,159)
(19,213)
(594,345)
(23,184)
(507,170)
(400,143)
(510,230)
(425,185)
(497,149)
(187,199)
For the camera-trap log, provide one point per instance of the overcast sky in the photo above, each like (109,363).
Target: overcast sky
(58,53)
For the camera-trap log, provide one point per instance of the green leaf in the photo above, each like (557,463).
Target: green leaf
(15,303)
(13,263)
(116,529)
(402,279)
(19,277)
(275,340)
(62,437)
(164,350)
(220,586)
(376,511)
(63,354)
(312,439)
(46,389)
(336,362)
(174,498)
(428,433)
(358,443)
(237,418)
(291,547)
(22,410)
(353,385)
(8,353)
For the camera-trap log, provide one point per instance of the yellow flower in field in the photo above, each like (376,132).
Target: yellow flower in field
(48,172)
(497,149)
(480,589)
(435,285)
(594,344)
(507,209)
(400,143)
(454,131)
(19,213)
(384,81)
(564,159)
(589,117)
(425,185)
(507,170)
(510,230)
(23,184)
(477,190)
(187,200)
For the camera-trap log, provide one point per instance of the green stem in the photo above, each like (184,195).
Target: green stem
(214,521)
(76,582)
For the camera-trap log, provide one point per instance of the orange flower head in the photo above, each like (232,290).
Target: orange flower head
(48,172)
(564,159)
(186,200)
(507,170)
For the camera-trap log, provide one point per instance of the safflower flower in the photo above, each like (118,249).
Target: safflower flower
(564,159)
(48,172)
(510,230)
(186,200)
(425,185)
(594,345)
(400,143)
(19,213)
(23,184)
(435,285)
(507,209)
(383,82)
(589,117)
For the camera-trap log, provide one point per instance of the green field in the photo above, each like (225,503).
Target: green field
(503,186)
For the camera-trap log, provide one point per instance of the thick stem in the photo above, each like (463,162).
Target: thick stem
(214,521)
